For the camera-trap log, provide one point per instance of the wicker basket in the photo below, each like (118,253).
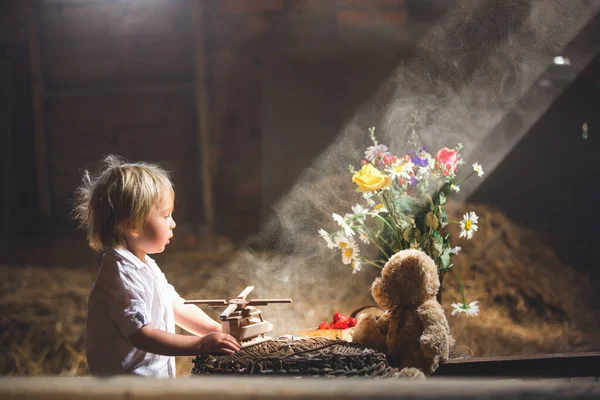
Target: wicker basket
(308,356)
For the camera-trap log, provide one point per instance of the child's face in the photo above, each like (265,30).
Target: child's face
(158,227)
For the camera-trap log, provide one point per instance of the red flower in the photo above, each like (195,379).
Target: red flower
(447,159)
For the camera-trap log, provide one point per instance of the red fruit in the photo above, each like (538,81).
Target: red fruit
(324,325)
(341,324)
(331,324)
(339,317)
(351,322)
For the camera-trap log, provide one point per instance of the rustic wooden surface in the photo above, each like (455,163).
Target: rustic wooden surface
(225,388)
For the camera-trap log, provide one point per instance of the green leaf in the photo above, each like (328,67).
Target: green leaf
(437,243)
(445,258)
(442,198)
(431,220)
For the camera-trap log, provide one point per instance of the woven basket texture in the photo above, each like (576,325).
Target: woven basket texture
(309,356)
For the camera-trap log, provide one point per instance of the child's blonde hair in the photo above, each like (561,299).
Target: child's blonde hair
(118,199)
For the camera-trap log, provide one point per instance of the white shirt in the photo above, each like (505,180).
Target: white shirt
(127,295)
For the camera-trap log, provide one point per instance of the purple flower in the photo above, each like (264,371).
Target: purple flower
(419,159)
(421,162)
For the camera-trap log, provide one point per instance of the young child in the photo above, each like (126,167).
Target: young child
(127,210)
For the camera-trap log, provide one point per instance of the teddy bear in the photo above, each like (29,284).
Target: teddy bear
(414,331)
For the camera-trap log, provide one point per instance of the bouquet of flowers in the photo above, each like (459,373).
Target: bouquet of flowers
(403,207)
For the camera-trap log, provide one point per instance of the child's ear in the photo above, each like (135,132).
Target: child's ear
(131,231)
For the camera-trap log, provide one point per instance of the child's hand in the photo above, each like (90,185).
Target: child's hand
(219,343)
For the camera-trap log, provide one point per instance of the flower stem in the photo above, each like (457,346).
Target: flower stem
(373,239)
(464,179)
(462,288)
(385,221)
(392,212)
(373,263)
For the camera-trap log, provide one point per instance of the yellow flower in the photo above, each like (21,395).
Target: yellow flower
(370,178)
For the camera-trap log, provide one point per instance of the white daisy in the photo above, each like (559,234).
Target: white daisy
(368,196)
(359,213)
(341,241)
(362,236)
(472,309)
(468,225)
(402,169)
(455,188)
(323,233)
(350,253)
(341,222)
(358,209)
(380,208)
(356,266)
(455,250)
(479,169)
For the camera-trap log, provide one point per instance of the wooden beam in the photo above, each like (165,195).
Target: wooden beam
(202,116)
(560,365)
(7,154)
(37,96)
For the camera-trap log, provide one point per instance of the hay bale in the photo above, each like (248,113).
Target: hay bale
(531,301)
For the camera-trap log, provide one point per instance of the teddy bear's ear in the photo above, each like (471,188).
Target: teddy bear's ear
(379,291)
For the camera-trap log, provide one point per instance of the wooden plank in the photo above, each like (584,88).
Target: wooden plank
(202,114)
(254,388)
(567,365)
(37,94)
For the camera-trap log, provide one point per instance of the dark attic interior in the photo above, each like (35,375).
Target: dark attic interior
(256,108)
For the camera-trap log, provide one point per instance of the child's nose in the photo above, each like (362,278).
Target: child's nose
(173,224)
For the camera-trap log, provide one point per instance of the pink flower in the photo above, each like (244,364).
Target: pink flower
(448,159)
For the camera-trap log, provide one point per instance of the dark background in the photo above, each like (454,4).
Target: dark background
(187,84)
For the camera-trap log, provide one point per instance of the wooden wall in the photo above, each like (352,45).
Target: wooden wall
(120,77)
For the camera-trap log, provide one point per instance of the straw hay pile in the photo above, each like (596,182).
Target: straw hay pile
(531,302)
